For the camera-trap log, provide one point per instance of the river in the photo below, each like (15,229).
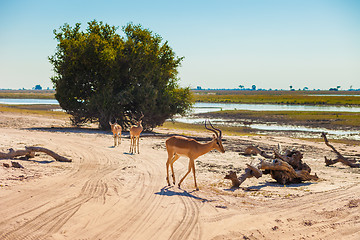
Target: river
(210,107)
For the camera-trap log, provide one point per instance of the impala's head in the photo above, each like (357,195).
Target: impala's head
(111,125)
(138,122)
(216,138)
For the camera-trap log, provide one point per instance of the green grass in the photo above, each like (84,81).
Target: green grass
(32,109)
(34,94)
(278,97)
(343,141)
(230,131)
(345,119)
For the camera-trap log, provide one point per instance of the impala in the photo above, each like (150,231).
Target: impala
(135,131)
(177,146)
(116,130)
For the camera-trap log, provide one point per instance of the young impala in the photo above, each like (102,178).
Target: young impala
(135,131)
(116,130)
(177,146)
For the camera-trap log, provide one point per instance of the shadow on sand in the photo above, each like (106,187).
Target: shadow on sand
(125,134)
(269,184)
(70,130)
(166,191)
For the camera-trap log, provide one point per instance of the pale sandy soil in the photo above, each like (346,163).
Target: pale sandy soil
(106,193)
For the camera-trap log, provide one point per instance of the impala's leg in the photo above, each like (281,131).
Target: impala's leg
(138,144)
(189,169)
(114,140)
(131,140)
(120,137)
(176,157)
(134,144)
(170,157)
(193,169)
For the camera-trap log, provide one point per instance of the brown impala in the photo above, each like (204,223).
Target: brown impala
(177,146)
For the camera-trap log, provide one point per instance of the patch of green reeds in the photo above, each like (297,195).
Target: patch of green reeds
(344,119)
(276,97)
(227,130)
(27,94)
(27,109)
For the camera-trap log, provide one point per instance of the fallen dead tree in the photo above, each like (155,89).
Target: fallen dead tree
(250,172)
(284,173)
(252,150)
(285,169)
(340,158)
(29,152)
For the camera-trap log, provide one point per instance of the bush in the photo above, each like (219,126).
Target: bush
(102,76)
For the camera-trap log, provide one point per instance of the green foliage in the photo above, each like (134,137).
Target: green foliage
(102,76)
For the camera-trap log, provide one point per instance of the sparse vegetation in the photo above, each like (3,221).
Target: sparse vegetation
(33,109)
(235,131)
(279,97)
(43,94)
(340,119)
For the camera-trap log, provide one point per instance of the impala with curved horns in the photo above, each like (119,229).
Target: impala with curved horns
(116,130)
(135,131)
(177,146)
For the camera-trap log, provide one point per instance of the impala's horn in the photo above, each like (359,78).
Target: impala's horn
(142,115)
(220,133)
(213,130)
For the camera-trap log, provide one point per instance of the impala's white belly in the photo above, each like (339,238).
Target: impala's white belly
(182,154)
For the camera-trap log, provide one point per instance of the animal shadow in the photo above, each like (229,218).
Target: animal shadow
(166,191)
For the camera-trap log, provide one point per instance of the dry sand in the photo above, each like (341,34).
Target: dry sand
(107,193)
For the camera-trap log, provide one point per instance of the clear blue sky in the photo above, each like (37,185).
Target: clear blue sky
(269,43)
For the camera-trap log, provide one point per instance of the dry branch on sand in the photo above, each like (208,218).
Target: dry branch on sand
(250,172)
(285,169)
(252,150)
(340,158)
(29,152)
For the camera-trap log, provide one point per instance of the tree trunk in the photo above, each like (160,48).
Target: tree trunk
(29,152)
(340,158)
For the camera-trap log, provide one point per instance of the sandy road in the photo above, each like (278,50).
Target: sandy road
(106,193)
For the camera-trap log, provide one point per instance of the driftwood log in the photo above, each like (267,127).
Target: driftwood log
(294,158)
(284,168)
(340,158)
(29,152)
(284,173)
(252,150)
(250,172)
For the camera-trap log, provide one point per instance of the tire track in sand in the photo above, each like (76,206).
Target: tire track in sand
(52,219)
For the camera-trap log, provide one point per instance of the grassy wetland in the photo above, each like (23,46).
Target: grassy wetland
(27,94)
(312,119)
(339,98)
(332,120)
(319,119)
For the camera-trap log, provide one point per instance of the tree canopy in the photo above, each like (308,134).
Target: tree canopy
(101,75)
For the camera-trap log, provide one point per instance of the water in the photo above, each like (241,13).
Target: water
(297,131)
(18,101)
(211,107)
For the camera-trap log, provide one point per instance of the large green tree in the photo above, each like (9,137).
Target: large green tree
(101,75)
